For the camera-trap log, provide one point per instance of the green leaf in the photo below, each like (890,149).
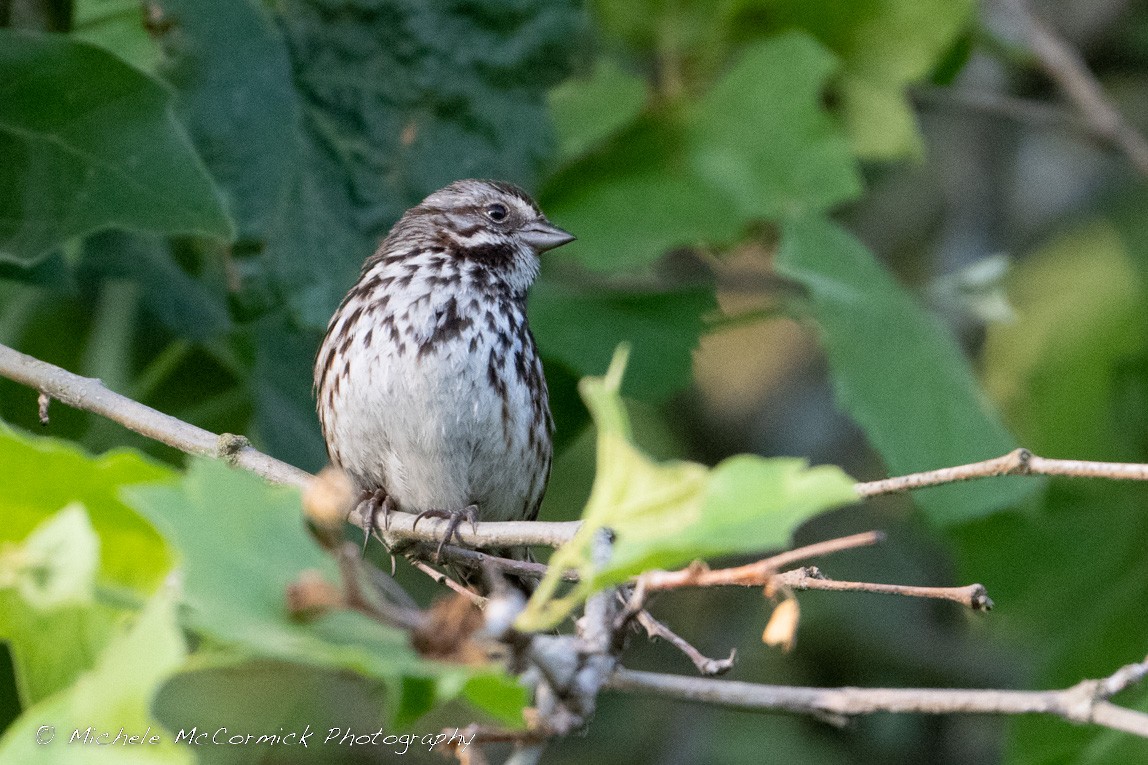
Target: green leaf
(116,694)
(191,307)
(700,173)
(32,489)
(399,99)
(285,424)
(275,698)
(232,527)
(231,70)
(52,560)
(56,565)
(665,514)
(588,110)
(1057,370)
(884,46)
(898,372)
(761,137)
(47,591)
(662,327)
(88,142)
(118,27)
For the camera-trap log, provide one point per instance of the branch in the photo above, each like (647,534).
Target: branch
(1068,69)
(971,596)
(1017,462)
(1022,110)
(399,527)
(704,664)
(1085,702)
(754,574)
(89,394)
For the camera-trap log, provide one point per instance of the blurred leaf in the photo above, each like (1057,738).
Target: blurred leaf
(51,648)
(1057,369)
(397,101)
(1072,374)
(897,372)
(47,588)
(56,565)
(31,489)
(670,513)
(253,696)
(232,527)
(285,423)
(700,175)
(87,142)
(1079,563)
(189,307)
(117,26)
(761,137)
(116,694)
(884,45)
(231,70)
(662,327)
(587,110)
(55,637)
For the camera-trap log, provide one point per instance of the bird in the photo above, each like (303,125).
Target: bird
(430,391)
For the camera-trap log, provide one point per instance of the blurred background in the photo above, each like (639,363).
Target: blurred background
(873,234)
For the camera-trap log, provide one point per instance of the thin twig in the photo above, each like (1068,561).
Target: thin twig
(971,596)
(704,664)
(442,578)
(755,574)
(474,559)
(1016,462)
(1068,69)
(1023,110)
(1085,702)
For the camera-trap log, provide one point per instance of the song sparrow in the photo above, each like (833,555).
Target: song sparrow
(430,390)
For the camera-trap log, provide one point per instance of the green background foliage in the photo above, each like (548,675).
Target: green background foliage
(782,208)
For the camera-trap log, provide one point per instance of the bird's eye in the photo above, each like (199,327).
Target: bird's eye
(497,212)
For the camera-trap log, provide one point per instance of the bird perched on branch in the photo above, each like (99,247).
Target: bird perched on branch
(430,389)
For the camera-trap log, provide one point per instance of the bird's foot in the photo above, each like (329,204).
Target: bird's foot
(373,504)
(455,518)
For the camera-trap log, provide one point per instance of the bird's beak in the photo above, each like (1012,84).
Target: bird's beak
(543,235)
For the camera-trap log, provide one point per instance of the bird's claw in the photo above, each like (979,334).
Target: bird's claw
(369,508)
(455,518)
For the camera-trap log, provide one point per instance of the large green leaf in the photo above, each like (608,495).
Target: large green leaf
(276,698)
(65,534)
(118,27)
(1071,373)
(242,543)
(587,110)
(231,70)
(1080,329)
(663,328)
(897,372)
(88,142)
(41,476)
(48,587)
(399,99)
(757,145)
(665,514)
(884,46)
(114,696)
